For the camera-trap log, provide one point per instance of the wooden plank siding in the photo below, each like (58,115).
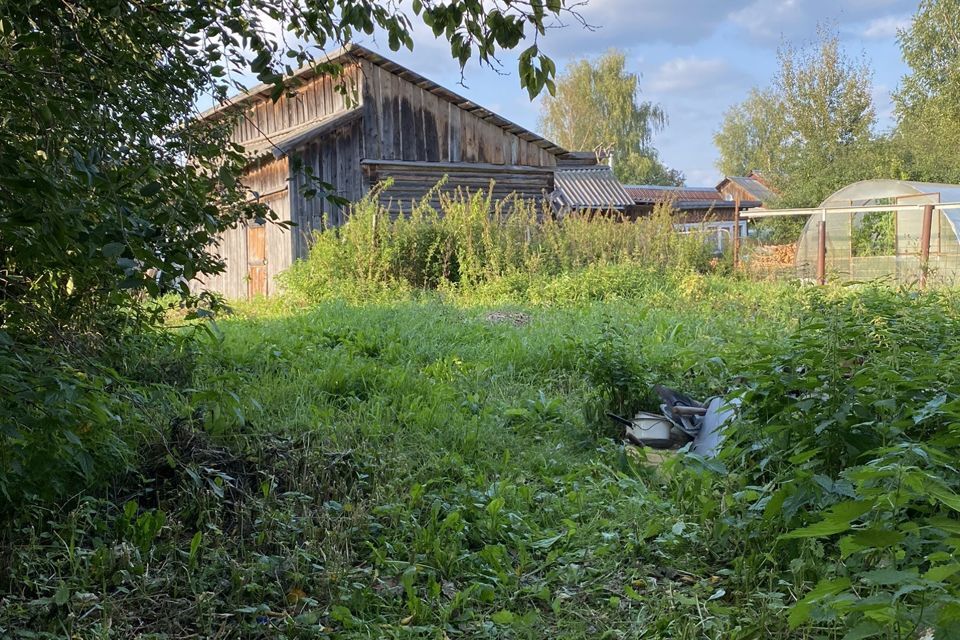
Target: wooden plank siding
(334,159)
(269,180)
(411,180)
(408,129)
(313,100)
(416,123)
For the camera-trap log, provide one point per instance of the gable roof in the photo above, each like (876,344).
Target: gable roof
(590,187)
(750,184)
(351,52)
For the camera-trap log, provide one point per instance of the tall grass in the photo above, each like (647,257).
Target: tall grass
(472,240)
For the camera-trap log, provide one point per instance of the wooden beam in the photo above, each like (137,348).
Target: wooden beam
(478,167)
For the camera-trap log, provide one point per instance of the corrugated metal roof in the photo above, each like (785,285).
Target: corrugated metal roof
(651,194)
(590,187)
(357,51)
(755,188)
(684,197)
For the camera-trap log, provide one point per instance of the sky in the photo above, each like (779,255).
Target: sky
(696,58)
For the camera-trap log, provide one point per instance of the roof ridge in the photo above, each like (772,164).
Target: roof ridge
(360,51)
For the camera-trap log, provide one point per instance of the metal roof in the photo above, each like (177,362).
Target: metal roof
(590,187)
(355,51)
(754,187)
(684,197)
(651,194)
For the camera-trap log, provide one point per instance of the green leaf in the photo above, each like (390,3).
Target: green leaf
(342,615)
(877,538)
(195,544)
(945,496)
(151,189)
(866,629)
(888,576)
(941,572)
(836,520)
(227,177)
(546,543)
(62,596)
(800,612)
(503,617)
(113,249)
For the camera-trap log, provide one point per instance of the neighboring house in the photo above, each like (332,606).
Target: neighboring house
(390,123)
(697,208)
(752,187)
(692,204)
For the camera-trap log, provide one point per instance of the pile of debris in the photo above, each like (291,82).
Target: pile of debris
(681,421)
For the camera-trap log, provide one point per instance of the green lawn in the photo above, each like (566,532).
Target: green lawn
(424,469)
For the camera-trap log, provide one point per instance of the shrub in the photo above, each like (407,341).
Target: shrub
(472,241)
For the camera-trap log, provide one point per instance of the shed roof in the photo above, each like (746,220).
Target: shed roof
(590,187)
(354,51)
(756,189)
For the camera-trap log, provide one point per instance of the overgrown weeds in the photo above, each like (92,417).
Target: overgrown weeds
(413,468)
(472,241)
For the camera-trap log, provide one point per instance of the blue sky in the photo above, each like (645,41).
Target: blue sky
(695,57)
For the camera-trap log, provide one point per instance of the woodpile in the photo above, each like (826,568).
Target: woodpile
(770,259)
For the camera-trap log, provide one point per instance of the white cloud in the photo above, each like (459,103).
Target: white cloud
(690,73)
(883,101)
(770,21)
(886,27)
(628,23)
(702,177)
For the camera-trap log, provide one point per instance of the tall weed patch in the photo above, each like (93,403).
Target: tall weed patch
(847,453)
(471,241)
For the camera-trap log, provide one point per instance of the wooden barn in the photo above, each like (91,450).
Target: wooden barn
(389,123)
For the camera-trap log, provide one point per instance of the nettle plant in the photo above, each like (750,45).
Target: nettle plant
(849,448)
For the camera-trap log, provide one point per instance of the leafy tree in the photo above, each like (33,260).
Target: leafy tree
(931,48)
(928,101)
(811,130)
(752,135)
(596,106)
(97,203)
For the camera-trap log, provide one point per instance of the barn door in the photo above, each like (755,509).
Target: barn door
(256,260)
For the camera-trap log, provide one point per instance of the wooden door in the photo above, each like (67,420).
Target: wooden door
(256,260)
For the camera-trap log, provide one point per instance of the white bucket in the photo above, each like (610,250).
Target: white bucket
(651,430)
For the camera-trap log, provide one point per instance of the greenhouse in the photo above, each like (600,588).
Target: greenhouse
(866,242)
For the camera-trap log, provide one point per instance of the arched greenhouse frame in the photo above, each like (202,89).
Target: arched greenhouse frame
(867,245)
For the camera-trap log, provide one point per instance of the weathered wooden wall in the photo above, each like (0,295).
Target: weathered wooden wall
(406,121)
(269,179)
(333,159)
(316,98)
(412,180)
